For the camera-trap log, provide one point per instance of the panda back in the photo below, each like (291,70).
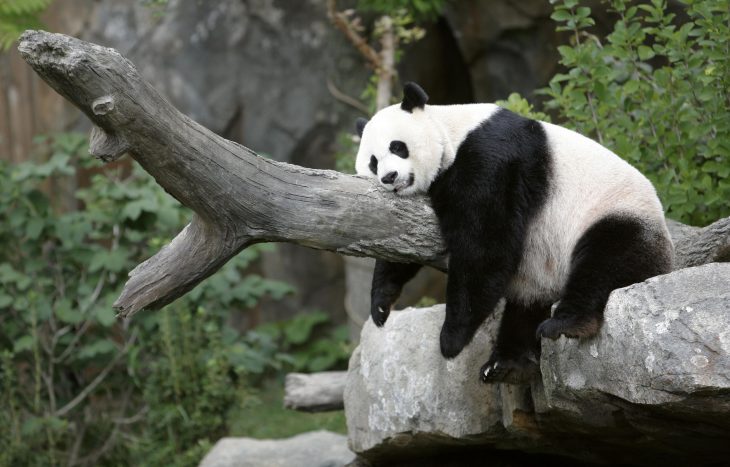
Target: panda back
(587,183)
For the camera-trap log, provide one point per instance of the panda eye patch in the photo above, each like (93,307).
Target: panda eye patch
(373,165)
(399,148)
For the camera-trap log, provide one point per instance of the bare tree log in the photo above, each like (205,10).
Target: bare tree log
(240,198)
(315,392)
(700,245)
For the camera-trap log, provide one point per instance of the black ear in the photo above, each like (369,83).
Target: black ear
(360,125)
(413,97)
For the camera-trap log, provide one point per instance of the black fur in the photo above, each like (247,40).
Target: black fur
(484,202)
(360,126)
(399,148)
(516,354)
(616,251)
(388,281)
(373,165)
(414,97)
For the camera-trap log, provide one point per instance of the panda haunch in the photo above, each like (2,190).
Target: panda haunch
(529,211)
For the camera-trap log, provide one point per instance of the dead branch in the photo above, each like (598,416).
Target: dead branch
(239,198)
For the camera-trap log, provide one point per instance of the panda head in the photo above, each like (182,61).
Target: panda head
(400,145)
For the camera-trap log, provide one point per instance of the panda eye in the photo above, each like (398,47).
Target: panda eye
(373,165)
(399,148)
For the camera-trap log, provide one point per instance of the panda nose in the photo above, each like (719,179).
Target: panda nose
(389,177)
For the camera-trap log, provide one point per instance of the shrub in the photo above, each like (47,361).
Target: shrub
(655,91)
(77,386)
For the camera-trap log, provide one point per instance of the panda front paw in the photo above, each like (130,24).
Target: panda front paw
(453,340)
(379,312)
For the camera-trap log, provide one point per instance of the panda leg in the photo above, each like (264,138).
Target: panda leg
(615,252)
(388,281)
(474,287)
(516,355)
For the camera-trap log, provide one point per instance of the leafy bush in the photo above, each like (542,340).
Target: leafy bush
(656,92)
(79,387)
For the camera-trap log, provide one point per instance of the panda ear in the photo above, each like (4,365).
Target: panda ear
(360,125)
(414,97)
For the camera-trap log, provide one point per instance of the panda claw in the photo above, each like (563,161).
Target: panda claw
(380,309)
(519,371)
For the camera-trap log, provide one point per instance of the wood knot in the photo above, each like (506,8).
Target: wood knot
(102,105)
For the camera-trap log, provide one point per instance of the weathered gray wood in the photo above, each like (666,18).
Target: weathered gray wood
(240,198)
(315,392)
(700,245)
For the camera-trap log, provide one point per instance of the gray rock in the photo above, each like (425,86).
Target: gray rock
(400,386)
(313,449)
(653,386)
(663,341)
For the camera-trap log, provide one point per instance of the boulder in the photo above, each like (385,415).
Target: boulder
(652,387)
(313,449)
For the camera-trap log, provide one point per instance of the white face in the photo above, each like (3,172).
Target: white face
(401,149)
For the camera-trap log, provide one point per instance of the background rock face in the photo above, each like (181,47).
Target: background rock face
(652,387)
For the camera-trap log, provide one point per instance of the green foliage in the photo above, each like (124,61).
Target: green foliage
(418,9)
(280,422)
(18,15)
(518,104)
(405,16)
(345,153)
(78,386)
(656,92)
(305,343)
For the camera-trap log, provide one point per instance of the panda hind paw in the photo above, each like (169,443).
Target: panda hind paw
(575,326)
(511,371)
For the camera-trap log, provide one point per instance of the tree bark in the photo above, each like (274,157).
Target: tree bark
(315,392)
(239,198)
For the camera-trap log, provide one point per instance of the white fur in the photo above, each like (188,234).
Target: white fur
(432,134)
(588,182)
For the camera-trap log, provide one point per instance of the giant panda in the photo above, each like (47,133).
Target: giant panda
(529,211)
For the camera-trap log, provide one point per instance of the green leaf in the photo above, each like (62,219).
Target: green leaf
(33,228)
(645,53)
(631,86)
(5,300)
(99,347)
(23,344)
(561,15)
(114,260)
(105,315)
(298,329)
(65,311)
